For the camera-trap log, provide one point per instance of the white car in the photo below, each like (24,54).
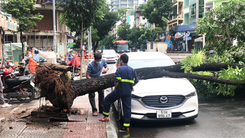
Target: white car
(160,98)
(110,56)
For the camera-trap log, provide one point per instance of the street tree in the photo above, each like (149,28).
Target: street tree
(123,31)
(133,36)
(55,86)
(103,25)
(79,15)
(108,41)
(221,25)
(158,12)
(24,12)
(147,34)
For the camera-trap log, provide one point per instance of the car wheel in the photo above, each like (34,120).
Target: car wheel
(120,110)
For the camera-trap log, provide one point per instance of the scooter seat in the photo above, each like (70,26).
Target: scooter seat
(16,80)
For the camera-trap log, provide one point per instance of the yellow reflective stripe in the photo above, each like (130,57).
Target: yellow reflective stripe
(126,124)
(125,80)
(134,79)
(105,113)
(126,136)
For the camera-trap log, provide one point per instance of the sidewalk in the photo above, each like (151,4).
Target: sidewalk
(88,127)
(91,128)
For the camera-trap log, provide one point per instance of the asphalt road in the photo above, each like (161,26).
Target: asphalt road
(219,118)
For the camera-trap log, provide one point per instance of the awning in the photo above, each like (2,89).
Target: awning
(199,39)
(184,28)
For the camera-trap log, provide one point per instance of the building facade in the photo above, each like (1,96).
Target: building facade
(41,36)
(117,4)
(178,19)
(193,10)
(211,4)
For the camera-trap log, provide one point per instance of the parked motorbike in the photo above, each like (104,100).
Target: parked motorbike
(19,88)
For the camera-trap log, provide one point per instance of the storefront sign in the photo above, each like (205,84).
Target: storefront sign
(70,42)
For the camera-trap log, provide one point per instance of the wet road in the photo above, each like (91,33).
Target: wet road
(220,118)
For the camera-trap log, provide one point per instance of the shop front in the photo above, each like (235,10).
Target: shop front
(183,38)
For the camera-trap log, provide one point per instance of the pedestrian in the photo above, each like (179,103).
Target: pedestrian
(94,70)
(125,79)
(29,54)
(2,101)
(38,58)
(70,56)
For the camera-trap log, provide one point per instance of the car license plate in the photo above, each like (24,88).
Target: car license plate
(164,114)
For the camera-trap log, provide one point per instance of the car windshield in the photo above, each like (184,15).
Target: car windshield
(122,48)
(144,63)
(109,52)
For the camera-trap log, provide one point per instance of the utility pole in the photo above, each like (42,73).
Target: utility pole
(90,43)
(82,52)
(54,36)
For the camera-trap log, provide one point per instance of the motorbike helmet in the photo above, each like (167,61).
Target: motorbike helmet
(36,51)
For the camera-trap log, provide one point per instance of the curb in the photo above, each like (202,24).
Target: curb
(111,126)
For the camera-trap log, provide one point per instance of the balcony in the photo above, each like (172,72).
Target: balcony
(178,18)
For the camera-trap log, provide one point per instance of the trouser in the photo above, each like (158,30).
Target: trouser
(1,92)
(101,100)
(126,101)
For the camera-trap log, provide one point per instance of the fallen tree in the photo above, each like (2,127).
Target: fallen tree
(60,91)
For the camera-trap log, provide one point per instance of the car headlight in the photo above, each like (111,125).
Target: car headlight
(190,95)
(134,97)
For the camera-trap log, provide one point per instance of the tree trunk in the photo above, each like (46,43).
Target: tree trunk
(61,92)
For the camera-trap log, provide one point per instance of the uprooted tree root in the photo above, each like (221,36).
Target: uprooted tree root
(55,86)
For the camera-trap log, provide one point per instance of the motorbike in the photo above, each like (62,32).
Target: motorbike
(19,88)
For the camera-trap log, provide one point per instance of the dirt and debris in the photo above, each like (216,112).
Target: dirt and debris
(54,84)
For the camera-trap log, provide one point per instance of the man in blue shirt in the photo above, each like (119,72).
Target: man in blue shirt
(125,79)
(94,70)
(70,56)
(38,58)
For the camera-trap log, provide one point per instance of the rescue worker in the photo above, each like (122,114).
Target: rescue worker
(94,70)
(125,79)
(38,58)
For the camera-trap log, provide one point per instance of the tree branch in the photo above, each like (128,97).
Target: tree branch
(227,25)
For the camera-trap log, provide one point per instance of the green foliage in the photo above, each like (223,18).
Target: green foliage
(146,34)
(108,41)
(215,22)
(76,11)
(23,10)
(123,31)
(122,14)
(158,12)
(133,36)
(103,25)
(214,25)
(192,61)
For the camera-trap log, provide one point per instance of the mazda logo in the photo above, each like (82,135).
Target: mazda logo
(163,99)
